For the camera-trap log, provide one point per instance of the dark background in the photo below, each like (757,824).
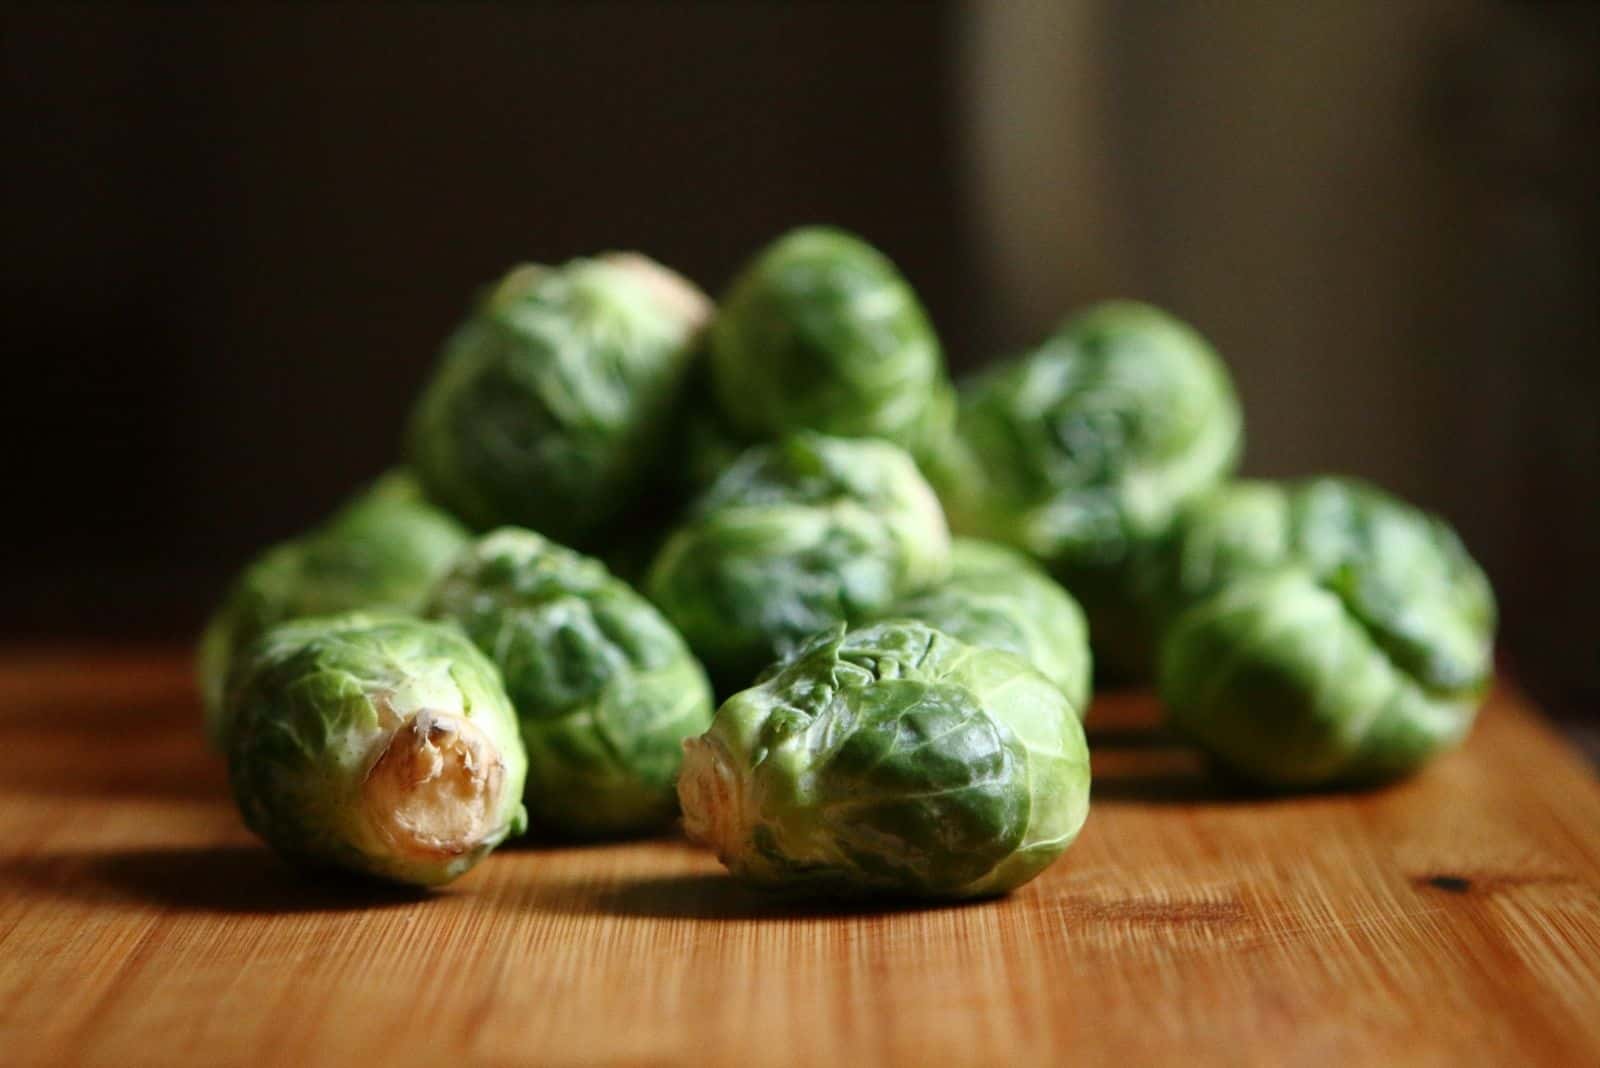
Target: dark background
(233,239)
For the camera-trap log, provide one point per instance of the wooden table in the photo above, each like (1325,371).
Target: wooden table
(1454,919)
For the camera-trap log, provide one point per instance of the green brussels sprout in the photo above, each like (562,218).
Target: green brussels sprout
(794,537)
(553,403)
(380,744)
(998,598)
(821,333)
(605,690)
(383,550)
(1081,452)
(892,759)
(1321,633)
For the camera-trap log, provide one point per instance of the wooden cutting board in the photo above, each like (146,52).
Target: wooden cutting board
(1454,919)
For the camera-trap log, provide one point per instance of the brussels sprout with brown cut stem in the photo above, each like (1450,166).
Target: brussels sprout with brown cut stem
(377,744)
(890,760)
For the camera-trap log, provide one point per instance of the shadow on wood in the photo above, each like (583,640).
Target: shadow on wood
(710,896)
(542,839)
(1142,764)
(220,879)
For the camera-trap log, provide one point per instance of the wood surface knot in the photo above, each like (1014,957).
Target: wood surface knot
(1453,884)
(1489,882)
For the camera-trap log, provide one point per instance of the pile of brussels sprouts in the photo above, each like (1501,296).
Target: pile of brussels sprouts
(619,504)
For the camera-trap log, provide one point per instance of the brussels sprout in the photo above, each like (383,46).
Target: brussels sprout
(821,333)
(794,537)
(1321,632)
(553,403)
(604,688)
(891,759)
(383,550)
(1000,599)
(375,743)
(1082,451)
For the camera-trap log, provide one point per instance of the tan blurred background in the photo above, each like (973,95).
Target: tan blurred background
(233,239)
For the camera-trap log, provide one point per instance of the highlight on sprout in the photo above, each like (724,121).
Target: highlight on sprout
(377,744)
(604,689)
(892,760)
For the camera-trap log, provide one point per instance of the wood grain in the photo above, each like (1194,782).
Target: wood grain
(1452,919)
